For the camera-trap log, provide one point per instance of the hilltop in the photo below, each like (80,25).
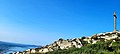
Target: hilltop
(102,43)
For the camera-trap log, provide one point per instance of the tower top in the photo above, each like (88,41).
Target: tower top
(115,15)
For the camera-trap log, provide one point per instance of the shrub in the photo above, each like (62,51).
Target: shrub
(102,39)
(61,39)
(84,43)
(83,37)
(118,35)
(95,37)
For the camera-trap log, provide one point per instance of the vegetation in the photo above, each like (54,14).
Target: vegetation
(83,37)
(102,46)
(118,35)
(98,48)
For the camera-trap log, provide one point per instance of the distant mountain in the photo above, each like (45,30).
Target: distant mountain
(6,47)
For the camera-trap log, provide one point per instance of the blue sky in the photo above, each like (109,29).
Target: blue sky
(42,22)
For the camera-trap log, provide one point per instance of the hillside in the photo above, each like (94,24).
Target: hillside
(99,43)
(108,47)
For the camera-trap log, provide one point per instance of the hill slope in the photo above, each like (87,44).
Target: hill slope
(108,42)
(97,48)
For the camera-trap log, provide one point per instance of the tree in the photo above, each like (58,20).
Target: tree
(61,39)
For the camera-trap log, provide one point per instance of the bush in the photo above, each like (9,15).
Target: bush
(84,43)
(102,39)
(118,35)
(61,39)
(95,37)
(83,37)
